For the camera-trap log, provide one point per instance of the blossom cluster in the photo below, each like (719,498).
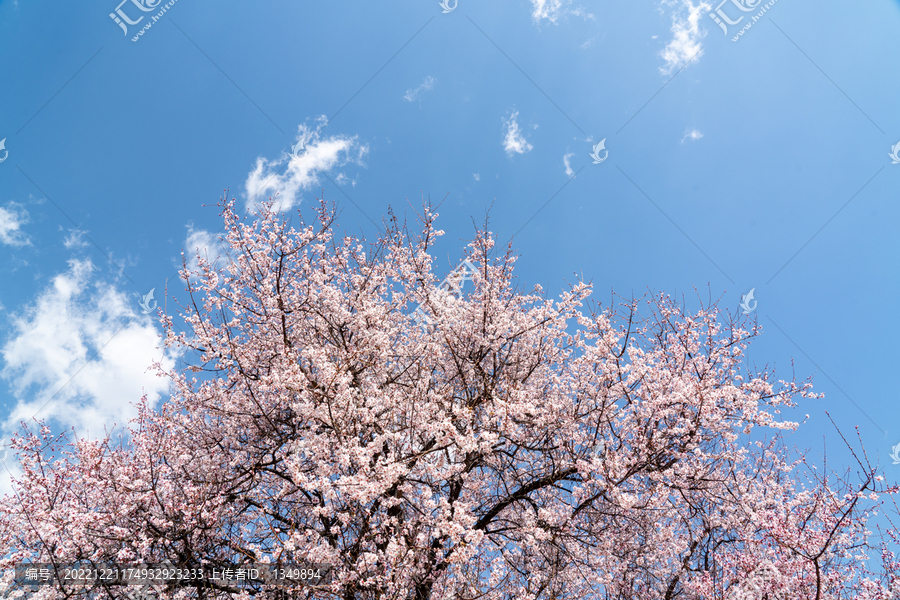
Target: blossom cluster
(513,447)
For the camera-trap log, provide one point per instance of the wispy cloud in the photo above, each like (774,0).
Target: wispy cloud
(589,42)
(425,86)
(569,171)
(75,240)
(554,10)
(515,142)
(316,153)
(476,176)
(202,244)
(82,351)
(12,217)
(692,134)
(686,34)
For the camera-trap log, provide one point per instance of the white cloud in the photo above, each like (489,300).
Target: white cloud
(515,142)
(82,352)
(569,171)
(686,34)
(74,240)
(476,176)
(202,244)
(426,86)
(693,134)
(11,220)
(580,12)
(553,10)
(315,153)
(590,41)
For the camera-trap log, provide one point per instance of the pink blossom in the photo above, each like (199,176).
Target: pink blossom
(509,447)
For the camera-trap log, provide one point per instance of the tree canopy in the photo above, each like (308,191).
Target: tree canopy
(508,446)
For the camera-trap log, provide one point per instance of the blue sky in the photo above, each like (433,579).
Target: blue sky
(761,163)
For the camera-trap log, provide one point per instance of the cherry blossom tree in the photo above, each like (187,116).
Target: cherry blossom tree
(508,446)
